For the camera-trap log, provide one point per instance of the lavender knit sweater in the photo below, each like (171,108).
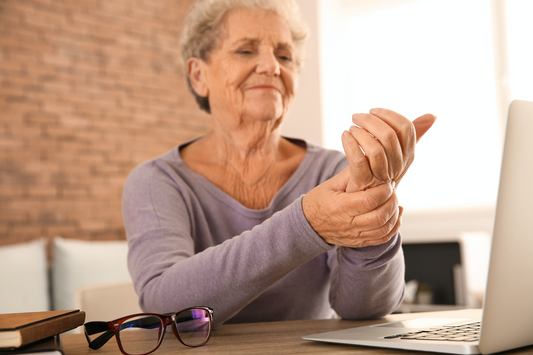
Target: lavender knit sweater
(190,244)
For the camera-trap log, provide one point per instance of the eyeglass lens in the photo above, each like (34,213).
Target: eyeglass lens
(140,335)
(193,326)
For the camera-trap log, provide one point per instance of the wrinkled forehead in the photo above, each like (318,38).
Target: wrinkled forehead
(255,27)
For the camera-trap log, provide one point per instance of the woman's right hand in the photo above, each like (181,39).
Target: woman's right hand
(352,219)
(357,207)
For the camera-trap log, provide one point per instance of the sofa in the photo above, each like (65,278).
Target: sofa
(29,282)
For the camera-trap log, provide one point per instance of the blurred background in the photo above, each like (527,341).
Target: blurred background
(88,90)
(91,88)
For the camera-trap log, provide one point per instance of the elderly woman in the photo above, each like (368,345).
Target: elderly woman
(255,225)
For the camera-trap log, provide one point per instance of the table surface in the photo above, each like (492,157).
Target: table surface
(263,338)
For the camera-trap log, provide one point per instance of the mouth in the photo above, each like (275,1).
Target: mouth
(263,87)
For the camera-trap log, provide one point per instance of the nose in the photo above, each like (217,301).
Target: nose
(268,64)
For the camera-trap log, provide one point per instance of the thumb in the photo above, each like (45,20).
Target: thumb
(423,124)
(339,182)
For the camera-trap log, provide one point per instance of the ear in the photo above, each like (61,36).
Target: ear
(195,70)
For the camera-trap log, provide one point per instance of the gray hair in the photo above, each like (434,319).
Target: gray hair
(202,30)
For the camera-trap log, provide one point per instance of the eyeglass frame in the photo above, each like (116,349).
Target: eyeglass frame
(112,327)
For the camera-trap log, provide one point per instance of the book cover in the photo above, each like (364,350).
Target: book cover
(19,329)
(48,346)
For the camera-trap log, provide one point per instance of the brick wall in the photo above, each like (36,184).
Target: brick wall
(88,90)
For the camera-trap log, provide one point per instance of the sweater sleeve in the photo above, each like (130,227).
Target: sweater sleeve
(366,282)
(169,274)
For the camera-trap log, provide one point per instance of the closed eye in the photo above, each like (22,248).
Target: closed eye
(285,58)
(284,54)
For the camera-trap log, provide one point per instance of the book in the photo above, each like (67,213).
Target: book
(19,329)
(48,346)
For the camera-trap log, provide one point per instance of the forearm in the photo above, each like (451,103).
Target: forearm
(368,282)
(225,277)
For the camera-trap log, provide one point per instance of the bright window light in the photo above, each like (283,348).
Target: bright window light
(519,31)
(422,56)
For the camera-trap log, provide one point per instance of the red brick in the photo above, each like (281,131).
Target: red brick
(11,143)
(73,192)
(11,216)
(8,191)
(87,91)
(69,231)
(42,191)
(11,42)
(25,232)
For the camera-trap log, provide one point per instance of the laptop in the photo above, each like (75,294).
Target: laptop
(505,322)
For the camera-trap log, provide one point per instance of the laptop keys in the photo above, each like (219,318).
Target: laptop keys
(464,332)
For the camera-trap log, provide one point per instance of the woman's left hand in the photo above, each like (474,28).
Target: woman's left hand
(389,149)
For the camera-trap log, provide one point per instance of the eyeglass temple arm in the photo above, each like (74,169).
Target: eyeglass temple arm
(98,327)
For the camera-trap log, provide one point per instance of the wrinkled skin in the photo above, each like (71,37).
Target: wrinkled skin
(359,206)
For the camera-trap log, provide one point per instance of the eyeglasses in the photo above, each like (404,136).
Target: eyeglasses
(142,333)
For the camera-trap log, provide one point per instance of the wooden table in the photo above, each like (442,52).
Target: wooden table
(276,338)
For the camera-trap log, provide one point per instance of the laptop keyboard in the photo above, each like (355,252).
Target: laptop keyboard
(464,332)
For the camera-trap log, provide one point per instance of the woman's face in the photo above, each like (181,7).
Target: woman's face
(251,74)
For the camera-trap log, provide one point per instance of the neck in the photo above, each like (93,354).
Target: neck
(249,166)
(249,154)
(246,144)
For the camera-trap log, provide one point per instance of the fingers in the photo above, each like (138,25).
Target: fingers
(384,233)
(386,238)
(331,212)
(423,124)
(376,154)
(380,226)
(360,173)
(401,125)
(390,135)
(397,135)
(378,222)
(366,201)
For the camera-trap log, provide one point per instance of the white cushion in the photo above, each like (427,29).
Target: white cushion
(80,263)
(24,278)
